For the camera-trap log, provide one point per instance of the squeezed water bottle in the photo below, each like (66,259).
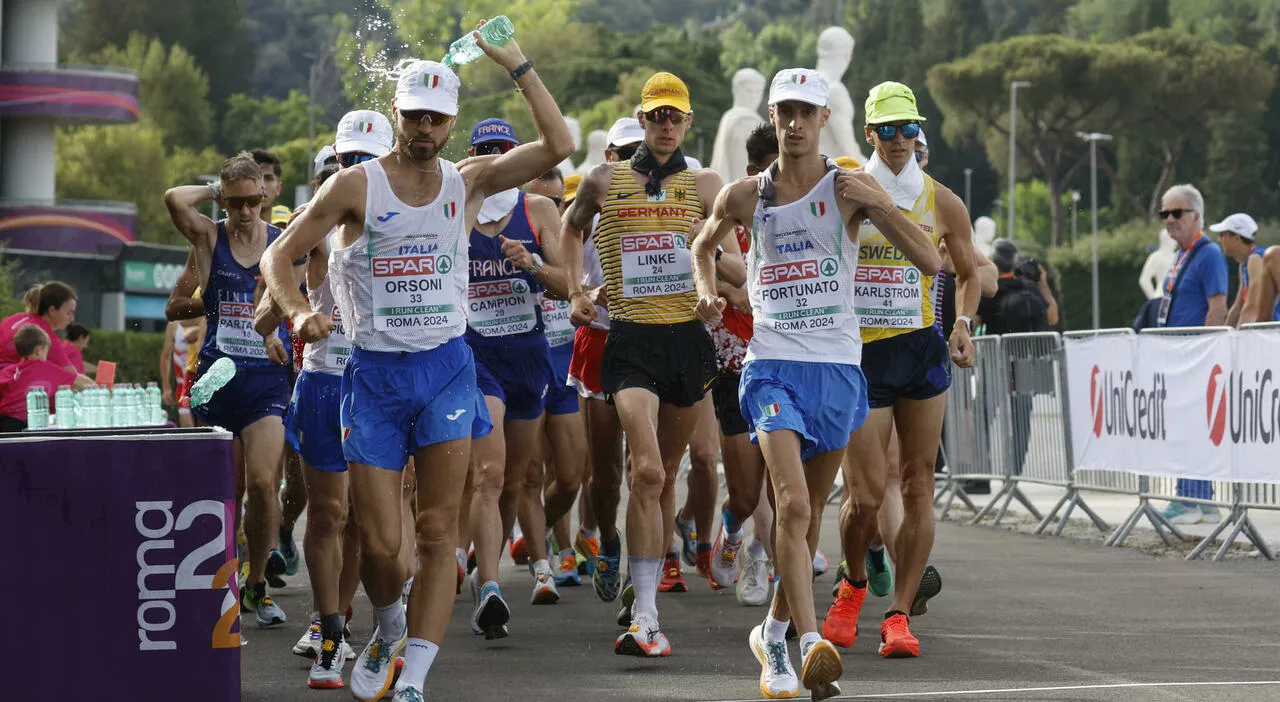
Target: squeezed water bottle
(496,31)
(218,375)
(64,402)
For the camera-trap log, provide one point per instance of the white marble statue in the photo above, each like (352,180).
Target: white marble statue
(729,156)
(841,136)
(597,142)
(566,166)
(1157,266)
(984,232)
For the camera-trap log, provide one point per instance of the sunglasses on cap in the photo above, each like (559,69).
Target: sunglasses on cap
(1176,213)
(235,203)
(416,116)
(887,132)
(490,148)
(351,159)
(665,114)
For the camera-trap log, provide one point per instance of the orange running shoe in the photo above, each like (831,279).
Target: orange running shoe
(520,551)
(841,624)
(672,578)
(896,640)
(588,549)
(702,564)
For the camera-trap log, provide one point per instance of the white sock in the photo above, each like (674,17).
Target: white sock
(408,587)
(807,640)
(735,537)
(775,630)
(515,531)
(541,566)
(588,533)
(391,620)
(419,654)
(645,573)
(876,548)
(756,549)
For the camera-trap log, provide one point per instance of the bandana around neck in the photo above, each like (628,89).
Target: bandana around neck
(497,206)
(905,187)
(644,162)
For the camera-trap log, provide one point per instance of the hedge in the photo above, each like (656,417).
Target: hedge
(136,354)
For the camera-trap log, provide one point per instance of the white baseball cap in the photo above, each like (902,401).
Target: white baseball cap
(625,132)
(1238,223)
(803,84)
(365,131)
(693,163)
(326,152)
(427,85)
(921,140)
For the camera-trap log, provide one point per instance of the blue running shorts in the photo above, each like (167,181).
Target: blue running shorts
(562,398)
(394,403)
(313,424)
(253,393)
(520,378)
(822,402)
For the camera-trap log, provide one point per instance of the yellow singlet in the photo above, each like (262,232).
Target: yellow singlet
(644,249)
(893,297)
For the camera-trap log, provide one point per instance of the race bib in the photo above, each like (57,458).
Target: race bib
(889,296)
(802,295)
(555,319)
(235,335)
(338,350)
(656,263)
(413,291)
(501,307)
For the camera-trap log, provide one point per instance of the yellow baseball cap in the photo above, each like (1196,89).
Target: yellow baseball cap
(280,215)
(891,102)
(665,90)
(848,162)
(571,184)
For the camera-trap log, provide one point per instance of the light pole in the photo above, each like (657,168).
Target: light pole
(968,180)
(1075,208)
(1013,145)
(1093,138)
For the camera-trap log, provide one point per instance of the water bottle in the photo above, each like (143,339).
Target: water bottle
(131,406)
(35,419)
(496,31)
(155,413)
(65,404)
(98,408)
(218,375)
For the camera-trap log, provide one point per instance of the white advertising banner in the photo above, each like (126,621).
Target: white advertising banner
(1250,399)
(1100,373)
(1184,368)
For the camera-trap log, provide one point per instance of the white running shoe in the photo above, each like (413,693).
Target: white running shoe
(375,668)
(777,678)
(326,669)
(491,614)
(309,645)
(753,580)
(819,563)
(724,561)
(643,639)
(820,668)
(544,589)
(408,694)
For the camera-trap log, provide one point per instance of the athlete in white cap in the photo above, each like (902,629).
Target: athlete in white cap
(1236,236)
(399,277)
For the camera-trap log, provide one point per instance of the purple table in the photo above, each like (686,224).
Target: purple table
(120,553)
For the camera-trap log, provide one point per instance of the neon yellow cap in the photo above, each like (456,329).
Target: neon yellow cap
(891,102)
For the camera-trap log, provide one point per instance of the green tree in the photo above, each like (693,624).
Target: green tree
(253,122)
(172,89)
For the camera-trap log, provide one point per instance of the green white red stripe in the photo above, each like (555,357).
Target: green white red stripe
(818,208)
(451,209)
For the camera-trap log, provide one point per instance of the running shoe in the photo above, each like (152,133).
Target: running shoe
(819,563)
(724,562)
(896,640)
(1210,514)
(841,570)
(930,586)
(409,694)
(289,549)
(462,575)
(520,551)
(879,572)
(567,575)
(672,578)
(276,567)
(309,645)
(643,639)
(702,565)
(544,589)
(491,613)
(628,599)
(820,668)
(375,668)
(605,578)
(1182,513)
(753,580)
(777,677)
(841,625)
(471,559)
(326,669)
(268,612)
(588,549)
(688,541)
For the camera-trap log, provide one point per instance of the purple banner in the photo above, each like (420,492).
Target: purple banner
(127,536)
(62,228)
(67,93)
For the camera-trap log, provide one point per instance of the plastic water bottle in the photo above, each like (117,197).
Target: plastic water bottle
(154,413)
(218,375)
(37,409)
(64,402)
(132,405)
(496,31)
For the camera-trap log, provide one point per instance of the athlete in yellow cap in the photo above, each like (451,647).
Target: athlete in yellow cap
(908,370)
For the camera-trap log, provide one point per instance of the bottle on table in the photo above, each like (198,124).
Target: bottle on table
(496,31)
(37,409)
(65,404)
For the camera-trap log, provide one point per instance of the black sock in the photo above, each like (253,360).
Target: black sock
(855,583)
(331,627)
(892,612)
(260,588)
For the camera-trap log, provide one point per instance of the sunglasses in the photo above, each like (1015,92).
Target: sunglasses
(235,203)
(1175,213)
(920,156)
(416,116)
(351,159)
(666,114)
(626,152)
(887,132)
(490,148)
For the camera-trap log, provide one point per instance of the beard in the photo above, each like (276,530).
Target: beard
(420,149)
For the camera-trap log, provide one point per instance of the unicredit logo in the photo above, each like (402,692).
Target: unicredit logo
(1249,410)
(1120,406)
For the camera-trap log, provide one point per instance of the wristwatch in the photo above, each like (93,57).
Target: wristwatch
(968,323)
(537,264)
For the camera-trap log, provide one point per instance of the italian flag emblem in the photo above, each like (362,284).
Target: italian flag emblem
(364,127)
(451,209)
(798,79)
(346,431)
(431,80)
(819,209)
(772,410)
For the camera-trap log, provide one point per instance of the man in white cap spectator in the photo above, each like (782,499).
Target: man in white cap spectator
(1235,236)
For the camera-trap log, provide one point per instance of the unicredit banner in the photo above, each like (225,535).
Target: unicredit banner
(1204,406)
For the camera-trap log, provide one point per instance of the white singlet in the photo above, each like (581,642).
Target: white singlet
(593,275)
(327,355)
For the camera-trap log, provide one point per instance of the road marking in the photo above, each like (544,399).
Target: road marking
(1016,690)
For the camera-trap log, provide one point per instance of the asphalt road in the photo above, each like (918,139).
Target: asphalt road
(1019,618)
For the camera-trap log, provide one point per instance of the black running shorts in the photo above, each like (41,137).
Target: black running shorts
(676,362)
(912,366)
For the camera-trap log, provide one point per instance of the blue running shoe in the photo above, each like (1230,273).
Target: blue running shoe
(879,572)
(688,542)
(567,573)
(289,549)
(608,565)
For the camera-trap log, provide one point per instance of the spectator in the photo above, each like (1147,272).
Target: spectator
(1194,294)
(51,306)
(77,341)
(1235,236)
(33,370)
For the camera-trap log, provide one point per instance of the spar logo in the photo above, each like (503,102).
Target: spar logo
(648,242)
(1245,409)
(787,272)
(397,266)
(1120,405)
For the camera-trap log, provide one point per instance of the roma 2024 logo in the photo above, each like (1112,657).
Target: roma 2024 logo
(161,575)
